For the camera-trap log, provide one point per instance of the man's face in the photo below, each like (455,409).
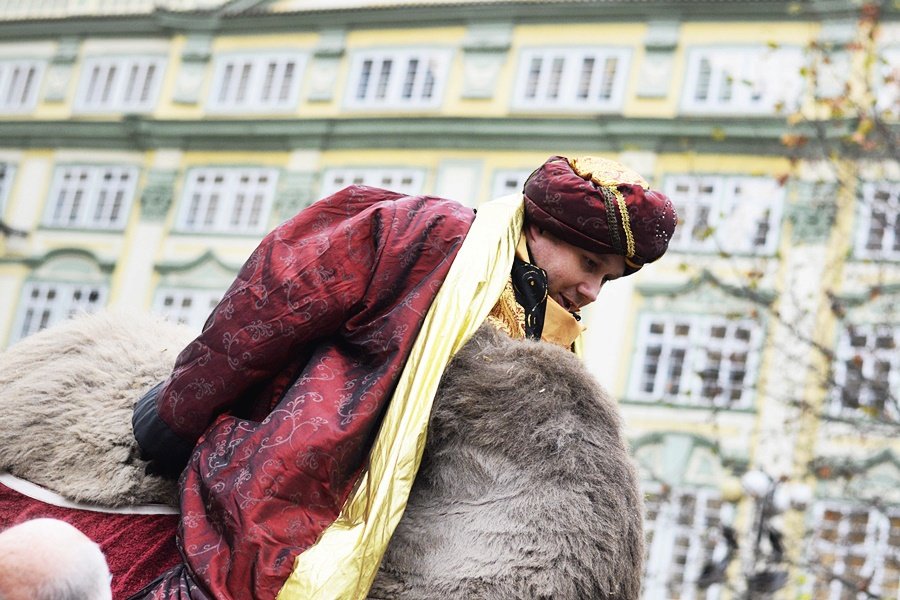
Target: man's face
(575,276)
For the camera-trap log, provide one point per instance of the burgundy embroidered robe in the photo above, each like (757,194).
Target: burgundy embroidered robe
(285,387)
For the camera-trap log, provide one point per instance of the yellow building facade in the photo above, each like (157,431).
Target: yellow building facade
(146,147)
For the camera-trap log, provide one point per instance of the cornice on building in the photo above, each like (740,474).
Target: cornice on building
(607,134)
(252,16)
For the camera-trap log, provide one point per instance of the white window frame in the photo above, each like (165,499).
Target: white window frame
(868,349)
(402,86)
(256,82)
(91,196)
(557,79)
(666,530)
(191,307)
(873,549)
(719,213)
(686,348)
(879,198)
(45,303)
(20,83)
(120,83)
(741,80)
(402,180)
(887,87)
(509,181)
(7,177)
(215,200)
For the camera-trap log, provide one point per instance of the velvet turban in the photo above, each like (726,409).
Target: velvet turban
(601,206)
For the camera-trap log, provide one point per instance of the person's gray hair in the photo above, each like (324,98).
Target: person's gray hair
(47,559)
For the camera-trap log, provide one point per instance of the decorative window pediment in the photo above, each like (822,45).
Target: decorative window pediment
(65,284)
(705,294)
(188,292)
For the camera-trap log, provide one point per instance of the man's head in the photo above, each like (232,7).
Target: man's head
(49,559)
(590,220)
(574,275)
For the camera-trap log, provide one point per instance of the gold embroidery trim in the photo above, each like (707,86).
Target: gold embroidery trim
(605,172)
(610,174)
(507,314)
(626,223)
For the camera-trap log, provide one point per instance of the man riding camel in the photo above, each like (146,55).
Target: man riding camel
(297,416)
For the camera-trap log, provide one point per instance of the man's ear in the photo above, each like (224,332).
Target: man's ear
(532,231)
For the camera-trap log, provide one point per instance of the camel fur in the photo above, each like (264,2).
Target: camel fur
(66,396)
(526,489)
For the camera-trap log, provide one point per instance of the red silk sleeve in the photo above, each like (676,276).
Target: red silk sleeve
(302,283)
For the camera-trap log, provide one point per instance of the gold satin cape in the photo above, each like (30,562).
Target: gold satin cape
(342,564)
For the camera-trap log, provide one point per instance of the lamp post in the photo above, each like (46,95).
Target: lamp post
(764,571)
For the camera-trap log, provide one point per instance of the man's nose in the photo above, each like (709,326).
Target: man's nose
(590,289)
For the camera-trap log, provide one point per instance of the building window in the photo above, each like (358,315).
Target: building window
(404,181)
(509,182)
(571,78)
(683,531)
(742,80)
(698,360)
(46,303)
(855,548)
(263,82)
(93,197)
(227,200)
(726,214)
(887,87)
(19,84)
(189,306)
(129,84)
(867,372)
(878,233)
(399,79)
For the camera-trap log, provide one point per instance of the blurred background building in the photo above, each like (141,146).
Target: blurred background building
(146,146)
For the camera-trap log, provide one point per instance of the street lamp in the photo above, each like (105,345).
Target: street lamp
(764,573)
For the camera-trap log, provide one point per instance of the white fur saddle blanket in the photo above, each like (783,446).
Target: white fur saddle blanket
(526,489)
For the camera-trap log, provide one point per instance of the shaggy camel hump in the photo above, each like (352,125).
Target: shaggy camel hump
(526,488)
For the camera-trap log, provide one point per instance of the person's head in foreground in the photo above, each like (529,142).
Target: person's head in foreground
(590,220)
(46,559)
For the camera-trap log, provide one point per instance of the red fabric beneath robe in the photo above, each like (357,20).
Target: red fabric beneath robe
(307,345)
(137,547)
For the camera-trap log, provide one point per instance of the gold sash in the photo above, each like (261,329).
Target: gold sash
(342,564)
